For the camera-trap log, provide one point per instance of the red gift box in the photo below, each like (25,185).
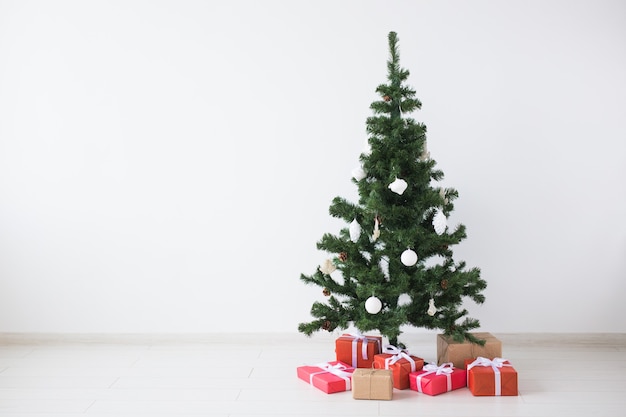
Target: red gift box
(491,377)
(400,363)
(357,349)
(435,380)
(329,377)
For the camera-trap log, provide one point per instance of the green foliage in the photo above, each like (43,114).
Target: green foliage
(371,266)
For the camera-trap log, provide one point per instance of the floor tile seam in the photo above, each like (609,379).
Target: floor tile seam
(51,390)
(135,362)
(89,406)
(537,376)
(238,395)
(114,382)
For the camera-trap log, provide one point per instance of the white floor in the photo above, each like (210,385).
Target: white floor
(255,375)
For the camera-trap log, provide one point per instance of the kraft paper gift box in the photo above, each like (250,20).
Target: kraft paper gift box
(329,377)
(487,377)
(400,362)
(449,350)
(435,380)
(357,350)
(372,384)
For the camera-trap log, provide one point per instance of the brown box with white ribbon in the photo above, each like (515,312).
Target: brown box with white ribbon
(372,384)
(449,350)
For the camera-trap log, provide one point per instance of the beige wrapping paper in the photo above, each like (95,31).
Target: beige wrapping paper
(449,350)
(372,384)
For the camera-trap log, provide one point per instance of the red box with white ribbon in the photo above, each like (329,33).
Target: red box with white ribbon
(401,364)
(435,380)
(357,350)
(329,377)
(491,377)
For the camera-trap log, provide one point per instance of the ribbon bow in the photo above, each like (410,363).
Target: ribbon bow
(397,355)
(444,369)
(496,364)
(338,369)
(355,341)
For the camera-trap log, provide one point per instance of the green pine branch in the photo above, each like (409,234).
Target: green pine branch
(371,266)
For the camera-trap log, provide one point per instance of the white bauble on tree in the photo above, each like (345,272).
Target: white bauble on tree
(373,305)
(358,173)
(440,222)
(408,257)
(355,231)
(404,300)
(398,186)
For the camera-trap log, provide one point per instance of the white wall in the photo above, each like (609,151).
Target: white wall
(167,166)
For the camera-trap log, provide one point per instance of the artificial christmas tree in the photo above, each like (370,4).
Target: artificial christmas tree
(383,272)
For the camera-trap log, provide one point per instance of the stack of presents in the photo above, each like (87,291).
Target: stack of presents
(372,371)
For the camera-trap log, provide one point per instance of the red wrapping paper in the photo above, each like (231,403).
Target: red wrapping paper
(435,380)
(486,377)
(331,377)
(398,363)
(357,350)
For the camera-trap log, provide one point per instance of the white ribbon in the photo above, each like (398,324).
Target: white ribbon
(337,369)
(495,364)
(355,343)
(431,368)
(397,355)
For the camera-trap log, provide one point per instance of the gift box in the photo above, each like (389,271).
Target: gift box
(435,380)
(401,364)
(449,350)
(487,377)
(372,384)
(357,350)
(329,377)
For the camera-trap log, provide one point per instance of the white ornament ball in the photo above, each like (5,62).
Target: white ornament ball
(373,305)
(408,257)
(440,222)
(404,300)
(398,186)
(355,231)
(358,173)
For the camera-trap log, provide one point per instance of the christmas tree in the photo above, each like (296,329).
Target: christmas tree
(392,265)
